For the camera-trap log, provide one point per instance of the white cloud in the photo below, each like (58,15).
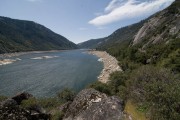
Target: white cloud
(119,10)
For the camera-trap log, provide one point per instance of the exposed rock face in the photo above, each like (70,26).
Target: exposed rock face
(162,26)
(10,109)
(90,104)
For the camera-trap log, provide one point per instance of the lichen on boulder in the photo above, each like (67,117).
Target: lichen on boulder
(90,104)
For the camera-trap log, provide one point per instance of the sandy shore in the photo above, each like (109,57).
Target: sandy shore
(110,65)
(6,59)
(8,55)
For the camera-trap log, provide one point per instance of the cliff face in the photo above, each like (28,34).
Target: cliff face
(161,27)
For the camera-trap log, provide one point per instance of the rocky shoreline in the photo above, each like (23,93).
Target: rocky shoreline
(110,64)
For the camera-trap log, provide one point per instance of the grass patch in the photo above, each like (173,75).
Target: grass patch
(2,98)
(132,109)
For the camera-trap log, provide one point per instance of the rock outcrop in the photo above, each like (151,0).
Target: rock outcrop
(90,104)
(161,27)
(22,96)
(10,109)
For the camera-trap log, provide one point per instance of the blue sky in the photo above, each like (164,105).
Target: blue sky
(81,20)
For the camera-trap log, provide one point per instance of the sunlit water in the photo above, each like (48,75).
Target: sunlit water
(45,77)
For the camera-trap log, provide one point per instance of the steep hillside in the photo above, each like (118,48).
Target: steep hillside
(161,27)
(125,34)
(20,35)
(90,44)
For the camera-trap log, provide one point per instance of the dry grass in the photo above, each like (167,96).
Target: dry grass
(131,109)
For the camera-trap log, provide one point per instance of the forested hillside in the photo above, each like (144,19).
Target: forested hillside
(20,35)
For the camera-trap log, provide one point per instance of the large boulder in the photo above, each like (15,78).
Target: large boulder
(10,109)
(90,104)
(22,96)
(8,103)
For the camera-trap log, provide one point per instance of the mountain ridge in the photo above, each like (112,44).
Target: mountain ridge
(21,35)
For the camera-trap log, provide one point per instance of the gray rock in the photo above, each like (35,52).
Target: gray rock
(90,104)
(10,109)
(8,103)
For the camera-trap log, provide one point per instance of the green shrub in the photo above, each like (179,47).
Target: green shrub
(122,92)
(102,87)
(49,103)
(2,98)
(58,115)
(66,95)
(117,79)
(29,103)
(172,62)
(160,89)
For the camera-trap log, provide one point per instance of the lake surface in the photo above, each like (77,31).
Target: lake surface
(45,77)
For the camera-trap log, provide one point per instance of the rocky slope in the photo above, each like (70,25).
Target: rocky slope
(161,27)
(21,35)
(89,104)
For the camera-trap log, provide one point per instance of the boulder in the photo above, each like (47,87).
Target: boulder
(8,103)
(90,104)
(22,96)
(10,109)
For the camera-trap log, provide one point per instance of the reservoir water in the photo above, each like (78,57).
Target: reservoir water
(45,76)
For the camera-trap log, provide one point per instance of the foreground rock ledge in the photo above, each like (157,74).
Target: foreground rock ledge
(90,104)
(10,109)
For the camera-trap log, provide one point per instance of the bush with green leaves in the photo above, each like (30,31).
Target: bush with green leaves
(66,95)
(102,87)
(29,102)
(49,103)
(58,115)
(117,79)
(160,89)
(2,98)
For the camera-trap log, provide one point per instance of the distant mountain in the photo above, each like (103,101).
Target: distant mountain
(90,44)
(125,34)
(21,35)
